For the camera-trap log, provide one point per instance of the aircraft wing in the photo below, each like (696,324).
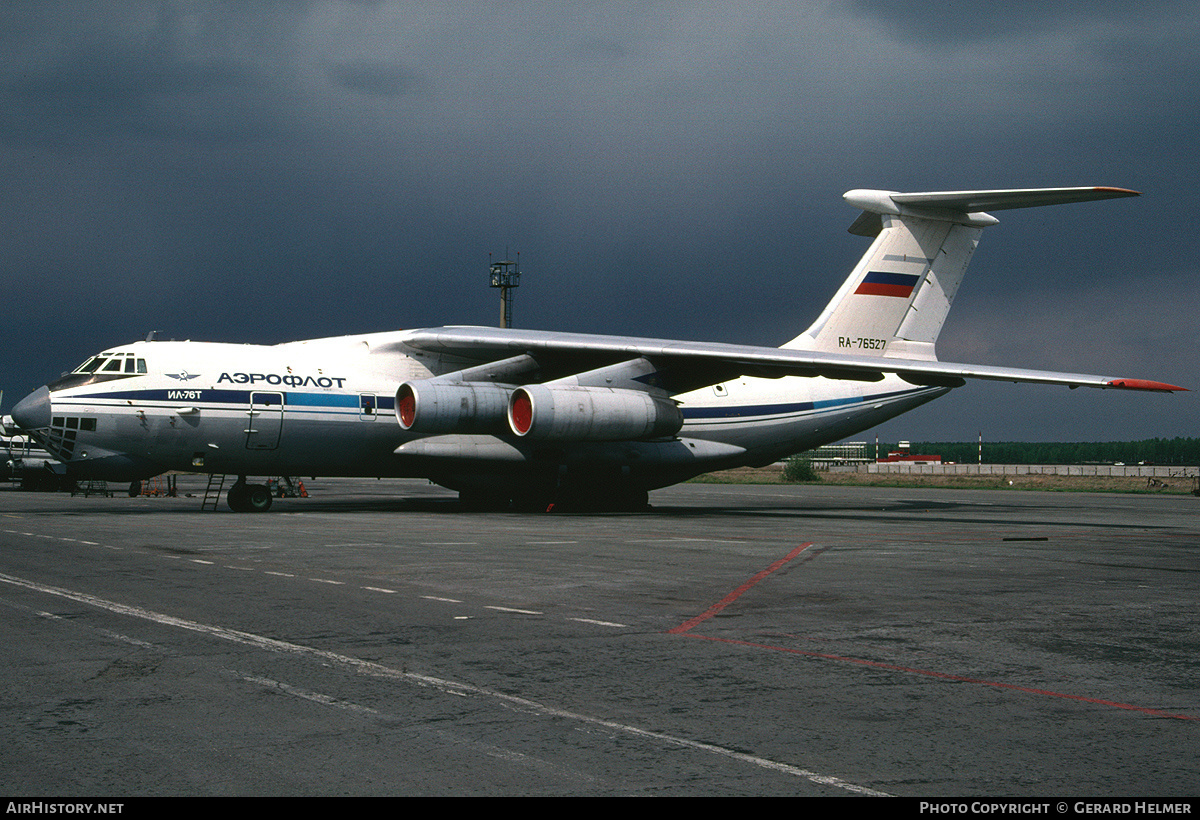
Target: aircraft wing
(687,366)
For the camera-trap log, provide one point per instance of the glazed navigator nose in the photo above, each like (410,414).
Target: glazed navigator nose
(33,411)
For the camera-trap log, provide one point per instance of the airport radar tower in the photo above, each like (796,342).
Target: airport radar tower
(505,275)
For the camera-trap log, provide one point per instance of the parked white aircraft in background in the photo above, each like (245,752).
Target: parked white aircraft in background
(533,418)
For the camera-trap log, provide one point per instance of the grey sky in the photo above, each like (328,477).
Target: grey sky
(270,171)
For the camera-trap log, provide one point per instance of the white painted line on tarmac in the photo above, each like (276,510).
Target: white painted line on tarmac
(441,684)
(597,623)
(684,540)
(315,697)
(357,708)
(511,609)
(388,591)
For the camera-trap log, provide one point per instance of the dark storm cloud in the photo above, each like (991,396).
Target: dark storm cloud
(97,94)
(89,73)
(264,172)
(374,77)
(934,24)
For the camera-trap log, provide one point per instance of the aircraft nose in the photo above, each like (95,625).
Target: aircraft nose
(33,411)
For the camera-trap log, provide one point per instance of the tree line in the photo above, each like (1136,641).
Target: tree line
(1182,451)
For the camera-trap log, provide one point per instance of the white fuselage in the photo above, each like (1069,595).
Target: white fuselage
(327,407)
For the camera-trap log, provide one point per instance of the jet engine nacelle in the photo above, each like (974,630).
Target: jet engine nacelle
(569,413)
(428,406)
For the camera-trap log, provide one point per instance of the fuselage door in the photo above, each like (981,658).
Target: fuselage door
(368,406)
(266,421)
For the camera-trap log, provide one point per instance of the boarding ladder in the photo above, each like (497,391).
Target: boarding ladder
(212,493)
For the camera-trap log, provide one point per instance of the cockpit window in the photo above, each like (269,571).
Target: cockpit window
(124,363)
(90,365)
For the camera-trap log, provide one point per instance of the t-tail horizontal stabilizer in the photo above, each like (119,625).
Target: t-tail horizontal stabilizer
(895,301)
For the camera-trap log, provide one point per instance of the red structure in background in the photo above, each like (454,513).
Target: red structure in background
(904,454)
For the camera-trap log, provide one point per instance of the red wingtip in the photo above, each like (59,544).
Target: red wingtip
(1145,384)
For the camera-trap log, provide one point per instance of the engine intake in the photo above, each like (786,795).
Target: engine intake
(452,407)
(569,413)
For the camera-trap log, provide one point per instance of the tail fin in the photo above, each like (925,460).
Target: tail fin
(897,297)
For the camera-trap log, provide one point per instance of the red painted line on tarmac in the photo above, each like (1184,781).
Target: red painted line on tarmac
(686,627)
(947,676)
(737,593)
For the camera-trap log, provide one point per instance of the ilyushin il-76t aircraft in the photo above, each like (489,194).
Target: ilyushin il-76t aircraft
(529,419)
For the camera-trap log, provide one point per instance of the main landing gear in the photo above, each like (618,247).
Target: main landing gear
(591,499)
(245,497)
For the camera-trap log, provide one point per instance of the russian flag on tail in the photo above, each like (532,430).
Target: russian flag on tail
(881,283)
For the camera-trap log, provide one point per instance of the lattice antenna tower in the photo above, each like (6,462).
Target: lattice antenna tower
(505,275)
